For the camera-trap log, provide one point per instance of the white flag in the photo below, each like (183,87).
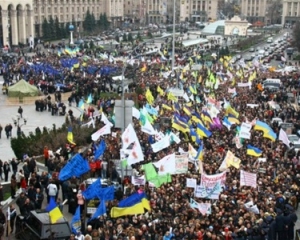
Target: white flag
(163,143)
(135,154)
(166,165)
(105,120)
(148,128)
(186,97)
(284,138)
(103,131)
(128,136)
(136,113)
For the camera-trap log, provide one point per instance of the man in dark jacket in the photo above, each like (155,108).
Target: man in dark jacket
(14,166)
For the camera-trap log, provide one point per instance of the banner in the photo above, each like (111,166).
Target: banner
(248,179)
(181,163)
(244,84)
(191,183)
(204,208)
(211,180)
(137,181)
(208,192)
(245,131)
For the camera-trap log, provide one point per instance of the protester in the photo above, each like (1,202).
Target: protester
(204,124)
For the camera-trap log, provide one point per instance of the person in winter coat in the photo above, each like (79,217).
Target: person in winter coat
(39,199)
(26,171)
(14,165)
(13,186)
(6,170)
(23,184)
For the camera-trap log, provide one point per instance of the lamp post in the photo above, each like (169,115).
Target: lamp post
(78,27)
(173,42)
(19,122)
(71,29)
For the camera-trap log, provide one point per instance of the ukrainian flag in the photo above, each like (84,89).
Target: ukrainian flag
(89,99)
(54,212)
(233,120)
(200,153)
(187,111)
(270,135)
(134,204)
(180,126)
(262,126)
(194,136)
(70,137)
(230,110)
(206,117)
(253,151)
(202,131)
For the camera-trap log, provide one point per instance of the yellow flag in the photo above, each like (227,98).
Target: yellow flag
(172,97)
(160,91)
(149,96)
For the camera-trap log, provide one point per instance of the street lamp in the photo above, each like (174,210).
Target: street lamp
(19,122)
(71,29)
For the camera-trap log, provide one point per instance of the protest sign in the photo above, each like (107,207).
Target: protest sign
(191,183)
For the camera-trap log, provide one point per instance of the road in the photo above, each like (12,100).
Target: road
(264,45)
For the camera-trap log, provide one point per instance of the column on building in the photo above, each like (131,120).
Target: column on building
(5,27)
(14,27)
(22,25)
(30,22)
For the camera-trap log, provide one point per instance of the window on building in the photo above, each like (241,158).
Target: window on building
(55,10)
(35,10)
(42,10)
(61,18)
(49,9)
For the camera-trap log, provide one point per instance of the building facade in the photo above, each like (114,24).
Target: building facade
(17,22)
(290,11)
(135,11)
(198,10)
(265,11)
(75,10)
(156,11)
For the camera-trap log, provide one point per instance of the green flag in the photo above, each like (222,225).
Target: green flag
(150,171)
(161,179)
(124,163)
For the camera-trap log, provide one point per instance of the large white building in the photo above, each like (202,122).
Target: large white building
(290,11)
(17,21)
(198,10)
(75,11)
(265,11)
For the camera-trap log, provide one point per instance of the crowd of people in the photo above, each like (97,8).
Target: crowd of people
(209,89)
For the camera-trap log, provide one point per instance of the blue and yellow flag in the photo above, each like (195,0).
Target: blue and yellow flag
(253,151)
(200,152)
(262,126)
(53,210)
(89,99)
(203,131)
(270,135)
(70,136)
(76,221)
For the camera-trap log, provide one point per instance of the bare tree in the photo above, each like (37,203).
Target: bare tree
(296,36)
(274,11)
(227,9)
